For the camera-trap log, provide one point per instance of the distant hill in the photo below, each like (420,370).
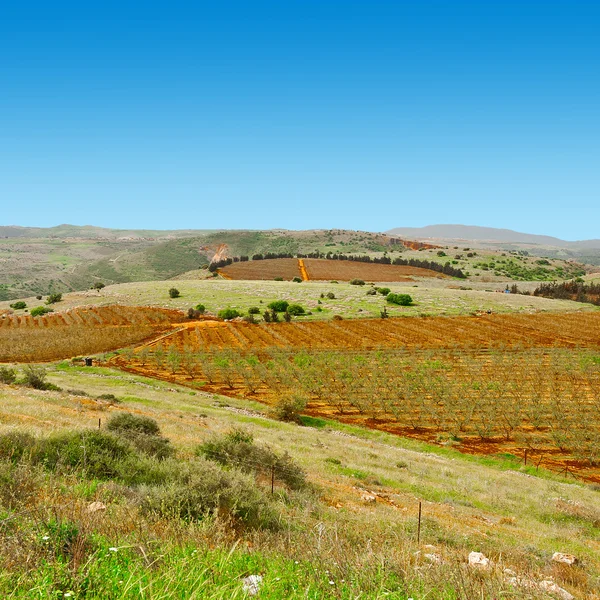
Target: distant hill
(492,235)
(36,260)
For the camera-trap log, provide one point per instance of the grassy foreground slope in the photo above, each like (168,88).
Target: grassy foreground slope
(350,534)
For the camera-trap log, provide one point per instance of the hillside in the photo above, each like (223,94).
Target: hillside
(585,251)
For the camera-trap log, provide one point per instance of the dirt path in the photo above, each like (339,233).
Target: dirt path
(303,270)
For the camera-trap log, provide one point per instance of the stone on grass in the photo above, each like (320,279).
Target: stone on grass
(368,498)
(549,586)
(567,559)
(477,559)
(251,584)
(95,507)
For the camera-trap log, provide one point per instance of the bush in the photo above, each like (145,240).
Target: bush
(278,279)
(228,313)
(200,308)
(254,310)
(19,305)
(98,285)
(40,310)
(279,305)
(331,295)
(39,297)
(237,449)
(267,316)
(14,445)
(192,313)
(356,282)
(400,299)
(174,293)
(295,310)
(35,377)
(441,253)
(96,453)
(287,317)
(202,488)
(371,292)
(126,423)
(297,279)
(384,291)
(289,408)
(7,375)
(54,298)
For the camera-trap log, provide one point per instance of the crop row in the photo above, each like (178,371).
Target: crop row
(79,331)
(538,398)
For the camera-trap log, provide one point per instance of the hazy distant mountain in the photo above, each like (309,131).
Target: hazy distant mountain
(488,234)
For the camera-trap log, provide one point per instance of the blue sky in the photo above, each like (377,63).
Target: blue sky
(302,114)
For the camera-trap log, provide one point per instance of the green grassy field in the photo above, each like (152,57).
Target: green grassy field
(350,301)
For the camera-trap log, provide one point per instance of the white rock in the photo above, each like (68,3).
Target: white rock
(96,507)
(434,558)
(368,498)
(549,586)
(251,584)
(477,559)
(567,559)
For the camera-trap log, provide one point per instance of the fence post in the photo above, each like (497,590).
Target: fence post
(419,525)
(99,423)
(272,478)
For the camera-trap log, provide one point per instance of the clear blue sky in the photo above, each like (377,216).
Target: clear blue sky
(301,114)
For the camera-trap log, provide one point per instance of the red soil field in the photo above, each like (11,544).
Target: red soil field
(80,331)
(320,269)
(346,270)
(568,330)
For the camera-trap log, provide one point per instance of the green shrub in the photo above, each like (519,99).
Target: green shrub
(279,305)
(96,453)
(331,295)
(228,313)
(192,313)
(200,308)
(143,433)
(126,423)
(289,408)
(7,375)
(295,310)
(40,310)
(384,291)
(174,293)
(19,305)
(356,282)
(287,317)
(400,299)
(203,488)
(254,310)
(98,285)
(54,298)
(278,279)
(237,449)
(297,279)
(35,377)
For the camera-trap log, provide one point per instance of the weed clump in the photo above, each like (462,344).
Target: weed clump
(8,375)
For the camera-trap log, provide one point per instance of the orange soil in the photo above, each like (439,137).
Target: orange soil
(508,330)
(322,269)
(262,269)
(302,268)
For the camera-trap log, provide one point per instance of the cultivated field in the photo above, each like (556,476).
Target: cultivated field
(319,269)
(80,331)
(487,384)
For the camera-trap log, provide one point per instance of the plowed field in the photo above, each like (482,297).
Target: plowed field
(346,270)
(319,269)
(489,331)
(80,331)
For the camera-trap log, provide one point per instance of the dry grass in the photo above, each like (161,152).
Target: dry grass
(515,519)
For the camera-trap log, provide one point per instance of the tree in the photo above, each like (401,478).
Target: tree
(174,293)
(400,299)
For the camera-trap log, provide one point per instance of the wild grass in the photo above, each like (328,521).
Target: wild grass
(367,549)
